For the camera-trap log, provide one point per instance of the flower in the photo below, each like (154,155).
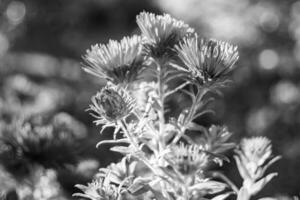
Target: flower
(253,159)
(215,139)
(119,171)
(188,159)
(161,32)
(206,60)
(111,104)
(257,150)
(118,62)
(219,58)
(32,140)
(98,190)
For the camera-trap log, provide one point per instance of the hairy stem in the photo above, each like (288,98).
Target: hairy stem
(192,111)
(136,146)
(161,99)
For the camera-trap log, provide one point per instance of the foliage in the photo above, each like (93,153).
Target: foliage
(162,160)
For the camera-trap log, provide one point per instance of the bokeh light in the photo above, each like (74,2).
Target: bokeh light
(268,59)
(15,12)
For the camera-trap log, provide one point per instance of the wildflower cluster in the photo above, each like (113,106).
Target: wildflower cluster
(162,159)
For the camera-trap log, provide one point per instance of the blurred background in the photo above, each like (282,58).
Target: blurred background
(41,44)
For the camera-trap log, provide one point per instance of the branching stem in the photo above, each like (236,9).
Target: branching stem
(136,146)
(192,111)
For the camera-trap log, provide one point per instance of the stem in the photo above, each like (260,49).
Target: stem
(139,117)
(186,193)
(199,96)
(192,111)
(136,146)
(150,128)
(128,135)
(161,98)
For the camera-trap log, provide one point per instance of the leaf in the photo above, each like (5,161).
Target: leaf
(275,159)
(123,140)
(224,147)
(209,187)
(123,150)
(259,185)
(176,89)
(222,196)
(172,174)
(242,169)
(139,186)
(195,127)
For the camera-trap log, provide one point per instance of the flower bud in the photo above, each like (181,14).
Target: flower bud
(111,104)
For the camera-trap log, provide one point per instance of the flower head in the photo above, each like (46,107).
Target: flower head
(207,60)
(111,104)
(257,149)
(118,62)
(98,190)
(161,32)
(188,159)
(219,58)
(253,159)
(216,138)
(32,140)
(119,171)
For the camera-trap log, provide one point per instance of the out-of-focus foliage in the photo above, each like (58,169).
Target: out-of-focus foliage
(47,141)
(41,43)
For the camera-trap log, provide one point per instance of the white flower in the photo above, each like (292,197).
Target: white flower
(253,159)
(206,61)
(118,62)
(161,32)
(219,58)
(215,139)
(98,190)
(188,159)
(257,149)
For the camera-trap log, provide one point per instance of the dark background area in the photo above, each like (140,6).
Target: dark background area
(41,44)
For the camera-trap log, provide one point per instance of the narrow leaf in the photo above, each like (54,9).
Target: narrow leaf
(123,140)
(259,185)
